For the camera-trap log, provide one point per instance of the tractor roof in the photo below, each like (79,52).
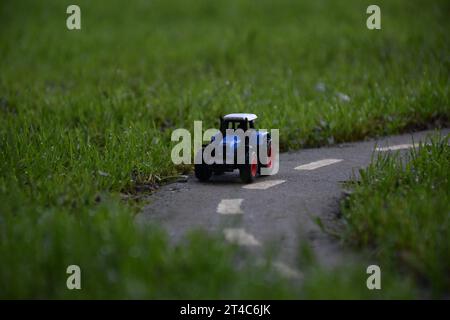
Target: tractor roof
(240,116)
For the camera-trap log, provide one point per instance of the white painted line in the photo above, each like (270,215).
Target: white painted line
(286,270)
(263,185)
(317,164)
(397,147)
(240,236)
(230,206)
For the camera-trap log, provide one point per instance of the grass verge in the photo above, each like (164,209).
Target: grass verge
(401,209)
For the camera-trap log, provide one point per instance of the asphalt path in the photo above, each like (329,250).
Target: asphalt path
(275,213)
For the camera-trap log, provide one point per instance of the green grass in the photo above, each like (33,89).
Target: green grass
(120,260)
(401,209)
(348,281)
(86,115)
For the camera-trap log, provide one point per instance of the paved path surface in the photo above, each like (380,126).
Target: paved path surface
(275,212)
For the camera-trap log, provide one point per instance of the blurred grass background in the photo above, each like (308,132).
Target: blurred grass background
(87,114)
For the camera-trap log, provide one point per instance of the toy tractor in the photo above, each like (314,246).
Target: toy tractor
(233,143)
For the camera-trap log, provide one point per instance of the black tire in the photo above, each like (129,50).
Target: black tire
(249,171)
(270,155)
(202,172)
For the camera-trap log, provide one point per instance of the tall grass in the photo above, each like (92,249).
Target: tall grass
(119,259)
(401,209)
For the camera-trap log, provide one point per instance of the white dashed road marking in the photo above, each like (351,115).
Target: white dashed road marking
(396,147)
(286,270)
(317,164)
(240,236)
(230,206)
(263,185)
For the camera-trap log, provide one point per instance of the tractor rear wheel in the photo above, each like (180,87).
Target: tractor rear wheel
(249,170)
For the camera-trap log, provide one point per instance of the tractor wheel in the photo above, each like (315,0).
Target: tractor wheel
(202,172)
(249,170)
(270,158)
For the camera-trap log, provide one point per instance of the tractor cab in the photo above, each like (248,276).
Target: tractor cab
(236,121)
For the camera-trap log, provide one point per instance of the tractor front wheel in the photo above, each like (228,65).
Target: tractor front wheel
(202,172)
